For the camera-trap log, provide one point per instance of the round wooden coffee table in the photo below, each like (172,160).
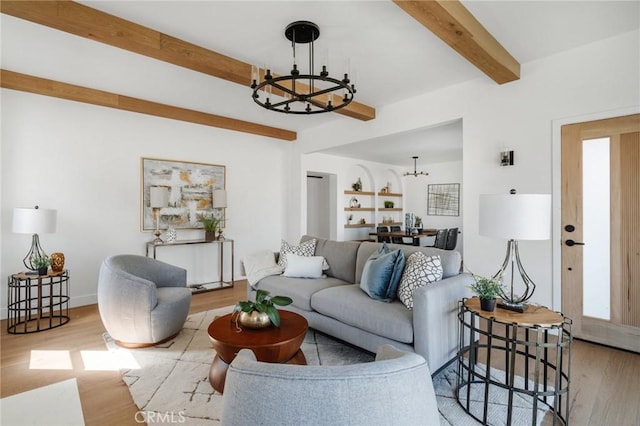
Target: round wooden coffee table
(271,344)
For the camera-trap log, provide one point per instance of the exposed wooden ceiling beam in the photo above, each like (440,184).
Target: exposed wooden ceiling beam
(93,24)
(456,26)
(56,89)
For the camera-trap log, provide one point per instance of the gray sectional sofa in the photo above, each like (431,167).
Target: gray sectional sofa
(337,306)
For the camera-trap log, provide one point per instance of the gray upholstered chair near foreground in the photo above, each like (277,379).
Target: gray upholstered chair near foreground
(396,389)
(142,301)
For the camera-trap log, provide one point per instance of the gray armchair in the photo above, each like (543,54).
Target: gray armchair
(142,301)
(396,389)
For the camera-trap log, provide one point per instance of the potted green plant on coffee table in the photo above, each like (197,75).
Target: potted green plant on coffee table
(261,312)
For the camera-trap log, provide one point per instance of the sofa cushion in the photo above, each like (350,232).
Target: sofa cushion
(350,305)
(341,256)
(381,274)
(450,259)
(298,289)
(306,248)
(419,271)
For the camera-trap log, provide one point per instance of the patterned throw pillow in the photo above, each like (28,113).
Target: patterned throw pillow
(419,271)
(308,248)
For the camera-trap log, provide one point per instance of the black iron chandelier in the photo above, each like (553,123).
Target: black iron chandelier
(302,93)
(415,172)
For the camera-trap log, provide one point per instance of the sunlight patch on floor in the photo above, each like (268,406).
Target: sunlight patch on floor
(108,361)
(50,360)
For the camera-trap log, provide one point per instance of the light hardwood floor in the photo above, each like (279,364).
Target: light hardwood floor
(605,383)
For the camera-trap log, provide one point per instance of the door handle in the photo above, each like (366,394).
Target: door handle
(572,243)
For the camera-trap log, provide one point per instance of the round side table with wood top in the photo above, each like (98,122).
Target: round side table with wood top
(513,357)
(271,344)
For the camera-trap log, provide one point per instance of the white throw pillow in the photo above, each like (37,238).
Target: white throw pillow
(303,266)
(419,271)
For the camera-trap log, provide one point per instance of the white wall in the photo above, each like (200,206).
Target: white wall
(602,76)
(416,200)
(84,161)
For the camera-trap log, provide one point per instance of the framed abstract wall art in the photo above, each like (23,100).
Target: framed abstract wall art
(190,189)
(443,199)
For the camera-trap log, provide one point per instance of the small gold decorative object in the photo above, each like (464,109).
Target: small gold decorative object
(254,319)
(57,262)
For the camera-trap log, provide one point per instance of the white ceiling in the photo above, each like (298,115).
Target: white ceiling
(390,55)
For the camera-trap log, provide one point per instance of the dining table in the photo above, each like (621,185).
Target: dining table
(426,232)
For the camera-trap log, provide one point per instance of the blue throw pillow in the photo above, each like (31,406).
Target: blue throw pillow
(382,273)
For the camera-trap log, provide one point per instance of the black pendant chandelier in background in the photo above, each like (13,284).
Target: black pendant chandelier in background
(302,93)
(415,172)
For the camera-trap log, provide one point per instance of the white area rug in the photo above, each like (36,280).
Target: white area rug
(53,405)
(171,382)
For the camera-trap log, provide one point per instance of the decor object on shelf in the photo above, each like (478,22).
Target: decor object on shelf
(34,221)
(252,314)
(316,96)
(515,217)
(210,224)
(57,262)
(191,189)
(506,158)
(488,290)
(417,222)
(349,219)
(388,204)
(172,234)
(158,198)
(357,185)
(415,172)
(353,203)
(362,221)
(443,199)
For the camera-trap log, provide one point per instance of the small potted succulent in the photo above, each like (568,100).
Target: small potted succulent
(41,263)
(488,290)
(261,312)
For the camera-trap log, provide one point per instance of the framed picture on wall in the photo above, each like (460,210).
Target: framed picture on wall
(443,199)
(188,189)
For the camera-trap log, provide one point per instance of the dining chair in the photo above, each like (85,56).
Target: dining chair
(452,239)
(383,239)
(441,239)
(396,240)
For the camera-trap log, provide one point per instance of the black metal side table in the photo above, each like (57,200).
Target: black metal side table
(516,359)
(37,302)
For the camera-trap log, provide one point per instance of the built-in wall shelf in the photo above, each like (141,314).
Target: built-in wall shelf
(389,194)
(360,225)
(359,193)
(390,224)
(394,209)
(359,209)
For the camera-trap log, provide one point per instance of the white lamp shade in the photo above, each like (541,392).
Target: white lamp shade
(219,198)
(158,196)
(34,221)
(516,216)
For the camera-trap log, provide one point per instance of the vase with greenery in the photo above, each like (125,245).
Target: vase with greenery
(357,185)
(261,312)
(210,223)
(488,290)
(41,263)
